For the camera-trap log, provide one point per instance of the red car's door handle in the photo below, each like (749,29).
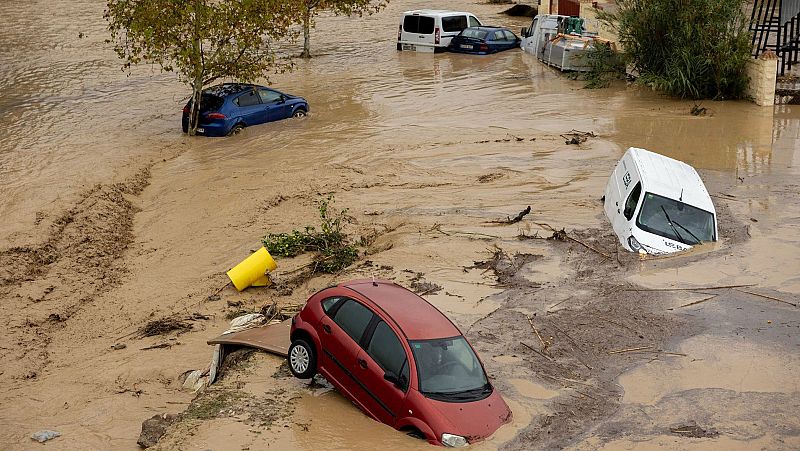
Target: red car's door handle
(326,328)
(362,363)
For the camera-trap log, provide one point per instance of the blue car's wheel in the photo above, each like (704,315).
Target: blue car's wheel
(236,129)
(300,112)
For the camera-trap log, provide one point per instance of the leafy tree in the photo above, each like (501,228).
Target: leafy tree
(310,8)
(201,40)
(687,48)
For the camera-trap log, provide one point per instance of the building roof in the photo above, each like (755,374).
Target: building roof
(671,178)
(418,319)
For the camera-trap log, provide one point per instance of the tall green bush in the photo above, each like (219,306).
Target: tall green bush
(688,48)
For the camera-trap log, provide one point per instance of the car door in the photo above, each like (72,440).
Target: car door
(251,111)
(510,40)
(340,332)
(382,354)
(529,41)
(274,104)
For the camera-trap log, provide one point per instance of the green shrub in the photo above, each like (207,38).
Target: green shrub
(334,252)
(687,48)
(606,65)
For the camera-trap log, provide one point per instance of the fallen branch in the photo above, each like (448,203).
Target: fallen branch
(588,247)
(620,351)
(158,346)
(514,220)
(565,379)
(585,394)
(618,324)
(560,234)
(721,287)
(534,350)
(767,297)
(697,302)
(438,228)
(569,338)
(544,345)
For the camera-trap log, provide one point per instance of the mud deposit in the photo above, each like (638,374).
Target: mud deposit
(117,230)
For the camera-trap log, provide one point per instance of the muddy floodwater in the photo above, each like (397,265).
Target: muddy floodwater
(111,218)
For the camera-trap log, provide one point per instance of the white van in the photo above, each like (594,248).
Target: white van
(430,30)
(658,205)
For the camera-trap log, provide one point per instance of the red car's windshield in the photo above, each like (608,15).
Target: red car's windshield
(448,369)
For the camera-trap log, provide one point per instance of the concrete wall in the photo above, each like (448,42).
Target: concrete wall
(763,74)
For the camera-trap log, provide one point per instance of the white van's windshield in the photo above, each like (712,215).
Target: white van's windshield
(675,220)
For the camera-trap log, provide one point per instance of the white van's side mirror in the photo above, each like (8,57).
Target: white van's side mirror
(524,32)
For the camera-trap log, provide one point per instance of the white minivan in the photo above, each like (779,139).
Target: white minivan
(430,30)
(658,205)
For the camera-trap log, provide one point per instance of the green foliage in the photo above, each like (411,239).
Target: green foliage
(687,48)
(334,252)
(201,40)
(307,9)
(606,65)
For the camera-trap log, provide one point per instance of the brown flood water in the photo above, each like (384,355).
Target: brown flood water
(424,148)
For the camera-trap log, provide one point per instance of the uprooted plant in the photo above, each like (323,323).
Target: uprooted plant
(330,243)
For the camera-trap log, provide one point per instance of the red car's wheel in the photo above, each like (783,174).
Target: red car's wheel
(302,359)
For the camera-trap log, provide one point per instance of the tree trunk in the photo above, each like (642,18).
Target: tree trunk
(194,114)
(197,83)
(306,34)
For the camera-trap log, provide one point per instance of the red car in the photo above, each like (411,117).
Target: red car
(399,359)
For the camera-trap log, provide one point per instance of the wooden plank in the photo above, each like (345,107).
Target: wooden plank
(273,338)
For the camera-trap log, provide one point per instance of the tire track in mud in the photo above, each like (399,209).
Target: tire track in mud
(44,285)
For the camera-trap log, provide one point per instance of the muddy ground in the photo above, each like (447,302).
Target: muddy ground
(113,222)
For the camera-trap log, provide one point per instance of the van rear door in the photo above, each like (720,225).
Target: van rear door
(417,31)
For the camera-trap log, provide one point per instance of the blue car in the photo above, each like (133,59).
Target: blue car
(484,40)
(227,108)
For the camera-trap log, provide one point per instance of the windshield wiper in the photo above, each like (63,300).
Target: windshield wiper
(697,240)
(463,394)
(671,224)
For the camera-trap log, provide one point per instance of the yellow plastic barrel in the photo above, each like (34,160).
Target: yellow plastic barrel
(252,271)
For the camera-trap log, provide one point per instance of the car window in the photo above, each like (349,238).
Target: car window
(447,365)
(454,23)
(418,24)
(209,102)
(247,99)
(353,318)
(477,34)
(633,199)
(473,22)
(426,25)
(385,348)
(329,304)
(268,95)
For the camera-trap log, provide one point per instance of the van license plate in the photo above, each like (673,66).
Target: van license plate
(409,47)
(465,46)
(200,130)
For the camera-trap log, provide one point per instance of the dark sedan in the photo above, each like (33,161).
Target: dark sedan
(227,108)
(484,40)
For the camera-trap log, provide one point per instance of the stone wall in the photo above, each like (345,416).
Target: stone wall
(763,74)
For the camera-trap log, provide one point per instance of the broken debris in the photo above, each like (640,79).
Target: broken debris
(577,137)
(691,429)
(45,435)
(164,326)
(154,428)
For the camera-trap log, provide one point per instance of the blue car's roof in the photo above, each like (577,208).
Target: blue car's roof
(486,28)
(227,89)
